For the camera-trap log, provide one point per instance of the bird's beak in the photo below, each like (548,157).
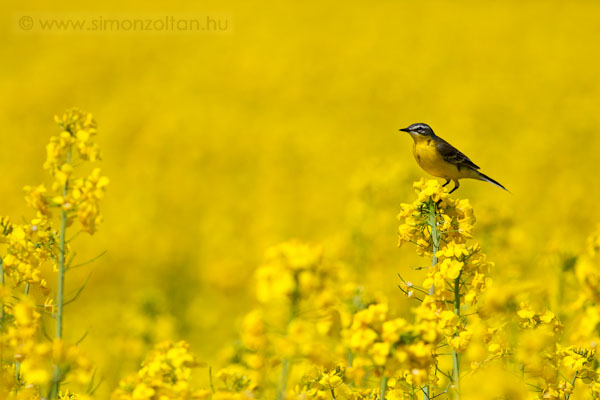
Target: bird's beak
(404,130)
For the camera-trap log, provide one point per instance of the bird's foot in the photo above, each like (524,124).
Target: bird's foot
(456,185)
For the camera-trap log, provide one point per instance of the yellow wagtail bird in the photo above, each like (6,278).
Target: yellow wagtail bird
(441,159)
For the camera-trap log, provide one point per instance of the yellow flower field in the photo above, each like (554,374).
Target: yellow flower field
(231,212)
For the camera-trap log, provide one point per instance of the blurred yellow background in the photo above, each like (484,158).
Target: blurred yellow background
(286,126)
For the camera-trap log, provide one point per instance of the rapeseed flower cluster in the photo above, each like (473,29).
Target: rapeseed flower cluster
(478,331)
(390,347)
(165,374)
(34,364)
(78,197)
(441,226)
(301,295)
(28,248)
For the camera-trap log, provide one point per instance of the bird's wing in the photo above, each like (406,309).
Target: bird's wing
(450,154)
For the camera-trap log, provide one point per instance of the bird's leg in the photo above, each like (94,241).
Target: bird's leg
(456,185)
(437,203)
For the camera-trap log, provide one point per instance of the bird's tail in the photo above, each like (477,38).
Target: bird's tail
(486,178)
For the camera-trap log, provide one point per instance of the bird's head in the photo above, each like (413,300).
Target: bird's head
(419,130)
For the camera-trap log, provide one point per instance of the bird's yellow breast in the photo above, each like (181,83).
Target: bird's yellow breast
(431,161)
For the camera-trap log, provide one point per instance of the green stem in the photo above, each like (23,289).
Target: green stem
(1,308)
(61,276)
(285,367)
(294,311)
(55,383)
(383,387)
(210,380)
(17,377)
(435,235)
(60,291)
(435,241)
(332,393)
(567,396)
(455,356)
(2,283)
(61,261)
(349,357)
(54,391)
(18,364)
(426,393)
